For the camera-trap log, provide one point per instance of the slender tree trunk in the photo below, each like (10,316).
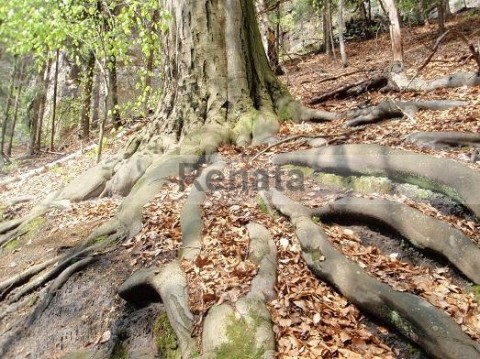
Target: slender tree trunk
(116,120)
(329,4)
(96,100)
(87,98)
(16,106)
(54,106)
(366,29)
(41,107)
(327,28)
(395,33)
(448,10)
(441,16)
(7,109)
(341,39)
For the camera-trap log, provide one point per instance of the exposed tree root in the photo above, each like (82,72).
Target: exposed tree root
(67,261)
(422,231)
(415,318)
(444,139)
(45,168)
(460,183)
(401,82)
(13,282)
(243,329)
(394,109)
(353,89)
(333,137)
(191,215)
(56,285)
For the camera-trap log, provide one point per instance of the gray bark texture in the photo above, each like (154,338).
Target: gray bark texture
(460,183)
(412,316)
(422,231)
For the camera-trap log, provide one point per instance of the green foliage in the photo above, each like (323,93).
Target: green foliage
(107,29)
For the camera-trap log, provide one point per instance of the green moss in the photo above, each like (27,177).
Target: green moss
(97,240)
(402,325)
(261,204)
(165,337)
(33,300)
(33,228)
(307,171)
(246,121)
(476,292)
(11,245)
(241,341)
(2,211)
(331,180)
(285,113)
(120,351)
(361,184)
(316,255)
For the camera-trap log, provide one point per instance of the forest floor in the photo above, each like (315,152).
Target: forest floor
(311,320)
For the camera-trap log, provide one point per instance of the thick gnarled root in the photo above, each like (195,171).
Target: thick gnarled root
(422,231)
(439,140)
(416,319)
(460,183)
(397,109)
(191,215)
(401,82)
(243,329)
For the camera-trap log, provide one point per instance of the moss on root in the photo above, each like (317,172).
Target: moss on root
(476,292)
(362,184)
(261,204)
(33,228)
(285,113)
(397,320)
(120,351)
(97,240)
(165,337)
(241,341)
(11,245)
(29,232)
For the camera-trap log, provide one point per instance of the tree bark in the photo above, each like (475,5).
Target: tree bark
(16,106)
(441,16)
(341,39)
(7,111)
(96,100)
(327,28)
(54,108)
(42,98)
(116,120)
(87,98)
(150,62)
(395,33)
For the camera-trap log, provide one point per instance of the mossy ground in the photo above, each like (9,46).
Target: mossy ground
(166,339)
